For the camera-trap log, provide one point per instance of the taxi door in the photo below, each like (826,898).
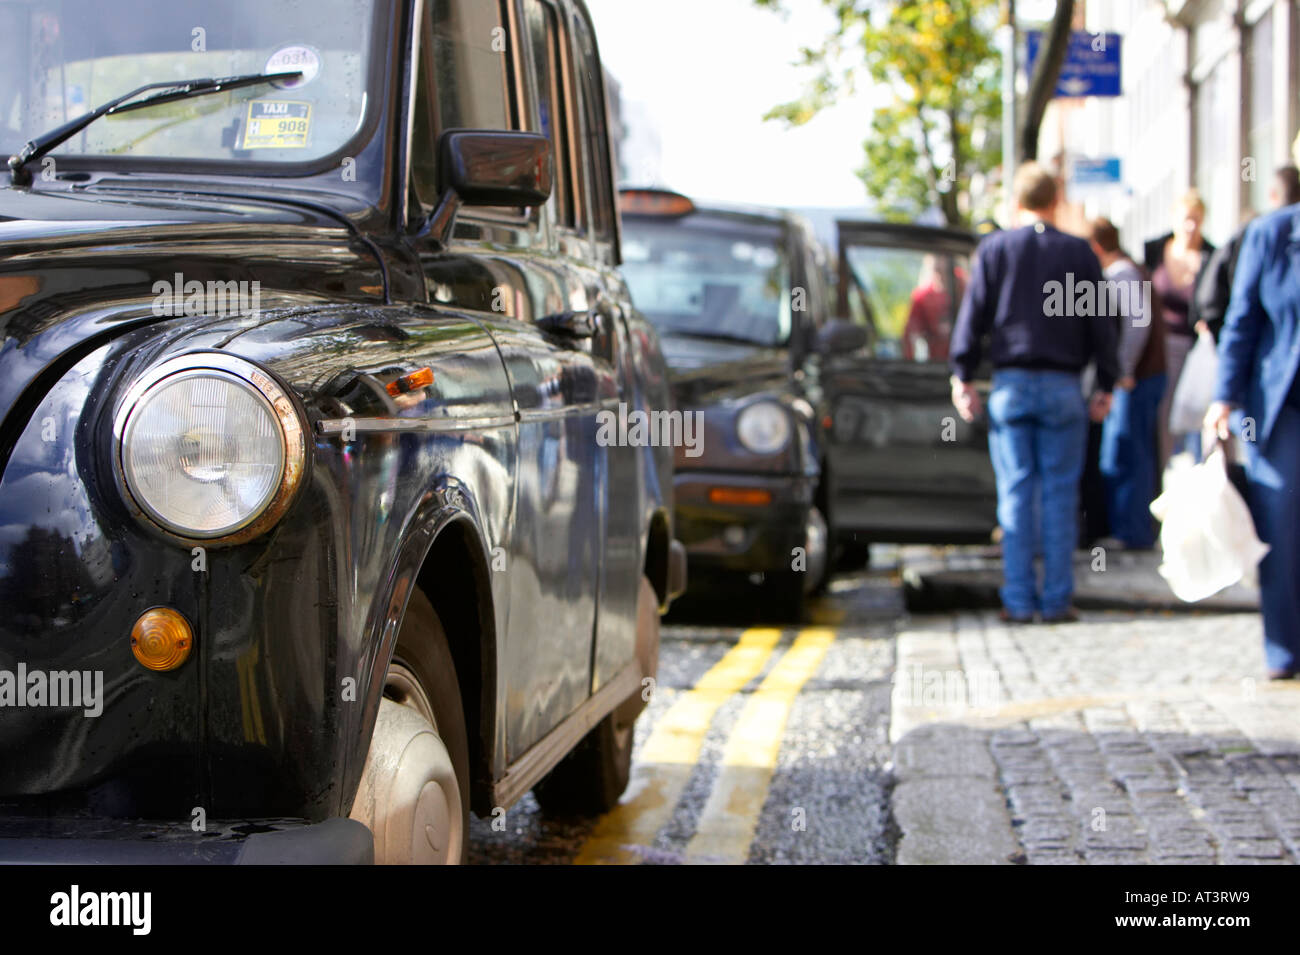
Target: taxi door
(903,467)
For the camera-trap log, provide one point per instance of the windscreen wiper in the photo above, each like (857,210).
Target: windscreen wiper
(175,90)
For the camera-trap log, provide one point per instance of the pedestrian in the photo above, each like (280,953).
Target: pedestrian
(1258,392)
(1022,298)
(1176,261)
(1215,286)
(1129,433)
(929,320)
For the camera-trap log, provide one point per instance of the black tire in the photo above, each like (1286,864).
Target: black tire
(823,581)
(589,780)
(783,595)
(852,554)
(422,648)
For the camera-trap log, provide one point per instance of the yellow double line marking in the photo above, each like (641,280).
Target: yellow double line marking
(660,775)
(727,824)
(666,761)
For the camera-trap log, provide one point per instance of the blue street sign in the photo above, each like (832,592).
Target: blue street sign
(1091,64)
(1103,171)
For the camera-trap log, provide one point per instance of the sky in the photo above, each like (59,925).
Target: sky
(701,74)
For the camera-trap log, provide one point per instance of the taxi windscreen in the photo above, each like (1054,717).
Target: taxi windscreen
(59,59)
(714,280)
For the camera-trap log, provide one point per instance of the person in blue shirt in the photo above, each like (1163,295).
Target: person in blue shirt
(1035,297)
(1258,393)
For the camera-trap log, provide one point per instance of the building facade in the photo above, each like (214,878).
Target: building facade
(1211,100)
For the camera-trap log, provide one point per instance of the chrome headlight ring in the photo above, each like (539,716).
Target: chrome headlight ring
(260,395)
(764,427)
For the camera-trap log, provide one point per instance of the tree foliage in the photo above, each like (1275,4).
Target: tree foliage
(940,71)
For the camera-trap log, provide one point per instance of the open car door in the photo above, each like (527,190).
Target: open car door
(902,466)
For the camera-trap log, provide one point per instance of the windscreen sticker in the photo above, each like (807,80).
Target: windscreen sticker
(277,124)
(291,59)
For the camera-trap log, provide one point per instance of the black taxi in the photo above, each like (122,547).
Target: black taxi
(820,389)
(738,296)
(310,328)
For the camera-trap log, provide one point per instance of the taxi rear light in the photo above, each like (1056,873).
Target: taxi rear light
(655,202)
(744,496)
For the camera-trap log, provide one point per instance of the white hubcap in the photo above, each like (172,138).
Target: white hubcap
(409,795)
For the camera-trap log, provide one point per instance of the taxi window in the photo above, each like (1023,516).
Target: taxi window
(470,66)
(462,83)
(908,299)
(59,59)
(814,277)
(709,280)
(596,162)
(544,38)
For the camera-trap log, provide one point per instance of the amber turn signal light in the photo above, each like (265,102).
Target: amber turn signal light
(751,497)
(161,639)
(412,382)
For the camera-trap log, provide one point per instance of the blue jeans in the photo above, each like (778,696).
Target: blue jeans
(1129,441)
(1274,473)
(1037,435)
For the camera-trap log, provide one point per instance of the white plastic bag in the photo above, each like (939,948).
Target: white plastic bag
(1195,388)
(1206,532)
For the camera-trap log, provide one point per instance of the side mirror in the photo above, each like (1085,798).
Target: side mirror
(496,168)
(840,336)
(488,168)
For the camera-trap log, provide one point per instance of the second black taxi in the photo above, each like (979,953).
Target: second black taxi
(820,395)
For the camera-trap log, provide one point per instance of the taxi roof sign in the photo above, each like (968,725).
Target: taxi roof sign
(654,202)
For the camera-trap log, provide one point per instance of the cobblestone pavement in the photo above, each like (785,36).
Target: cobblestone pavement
(937,579)
(864,735)
(1124,738)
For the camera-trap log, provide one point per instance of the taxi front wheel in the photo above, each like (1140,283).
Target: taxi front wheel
(414,793)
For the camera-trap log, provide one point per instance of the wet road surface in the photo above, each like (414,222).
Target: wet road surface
(763,743)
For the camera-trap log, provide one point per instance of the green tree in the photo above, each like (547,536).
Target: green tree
(938,61)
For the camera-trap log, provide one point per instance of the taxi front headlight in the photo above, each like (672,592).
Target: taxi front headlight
(209,447)
(763,427)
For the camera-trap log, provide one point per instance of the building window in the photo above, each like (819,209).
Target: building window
(1215,121)
(1259,142)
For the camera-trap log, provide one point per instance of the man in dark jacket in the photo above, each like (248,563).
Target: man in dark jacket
(1033,294)
(1258,388)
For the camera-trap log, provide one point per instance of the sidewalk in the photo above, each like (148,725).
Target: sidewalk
(939,579)
(1124,738)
